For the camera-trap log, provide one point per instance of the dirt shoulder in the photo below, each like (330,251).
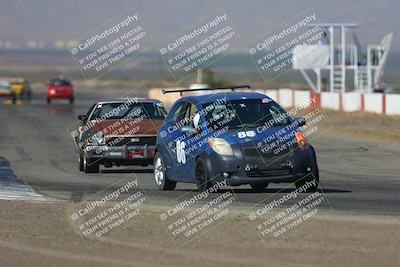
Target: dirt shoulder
(43,235)
(371,126)
(360,124)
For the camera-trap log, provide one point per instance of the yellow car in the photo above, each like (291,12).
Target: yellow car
(21,87)
(7,92)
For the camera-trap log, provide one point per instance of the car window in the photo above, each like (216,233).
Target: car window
(57,82)
(193,110)
(277,115)
(116,111)
(175,112)
(153,110)
(186,115)
(5,88)
(248,113)
(159,109)
(89,111)
(190,110)
(102,110)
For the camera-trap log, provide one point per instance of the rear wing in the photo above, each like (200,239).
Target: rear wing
(180,91)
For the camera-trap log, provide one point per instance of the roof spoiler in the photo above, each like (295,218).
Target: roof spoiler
(180,91)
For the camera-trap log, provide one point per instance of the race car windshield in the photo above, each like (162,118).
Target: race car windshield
(246,113)
(60,83)
(116,111)
(5,87)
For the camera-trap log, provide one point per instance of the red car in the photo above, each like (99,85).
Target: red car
(60,89)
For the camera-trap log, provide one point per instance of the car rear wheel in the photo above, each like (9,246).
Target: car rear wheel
(90,165)
(71,100)
(259,187)
(202,177)
(48,100)
(160,175)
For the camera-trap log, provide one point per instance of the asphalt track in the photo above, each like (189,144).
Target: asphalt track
(358,176)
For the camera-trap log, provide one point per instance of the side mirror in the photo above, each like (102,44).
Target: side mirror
(82,117)
(300,121)
(188,129)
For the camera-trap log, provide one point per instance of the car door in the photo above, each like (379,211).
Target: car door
(186,145)
(168,135)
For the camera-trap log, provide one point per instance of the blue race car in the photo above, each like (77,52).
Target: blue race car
(236,137)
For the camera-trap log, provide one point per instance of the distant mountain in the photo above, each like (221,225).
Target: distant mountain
(51,20)
(40,65)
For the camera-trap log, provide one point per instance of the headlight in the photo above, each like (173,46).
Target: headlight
(220,146)
(98,138)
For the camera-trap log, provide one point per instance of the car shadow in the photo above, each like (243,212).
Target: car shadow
(282,190)
(127,171)
(267,190)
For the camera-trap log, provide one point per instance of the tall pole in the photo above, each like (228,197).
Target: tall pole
(343,65)
(331,73)
(369,69)
(199,75)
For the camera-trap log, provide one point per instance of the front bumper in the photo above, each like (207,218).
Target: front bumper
(120,154)
(60,96)
(240,170)
(235,180)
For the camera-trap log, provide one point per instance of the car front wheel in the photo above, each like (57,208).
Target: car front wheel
(202,177)
(160,175)
(90,165)
(312,177)
(81,163)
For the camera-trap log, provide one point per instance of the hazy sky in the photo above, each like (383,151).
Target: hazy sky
(50,20)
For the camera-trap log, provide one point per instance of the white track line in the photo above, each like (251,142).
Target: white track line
(13,189)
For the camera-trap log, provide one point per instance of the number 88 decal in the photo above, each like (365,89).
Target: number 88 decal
(246,134)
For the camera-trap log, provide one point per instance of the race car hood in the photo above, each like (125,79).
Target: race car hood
(256,135)
(126,127)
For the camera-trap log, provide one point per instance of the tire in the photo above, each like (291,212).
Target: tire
(48,100)
(81,163)
(90,165)
(14,98)
(259,187)
(71,100)
(314,176)
(160,174)
(202,176)
(314,166)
